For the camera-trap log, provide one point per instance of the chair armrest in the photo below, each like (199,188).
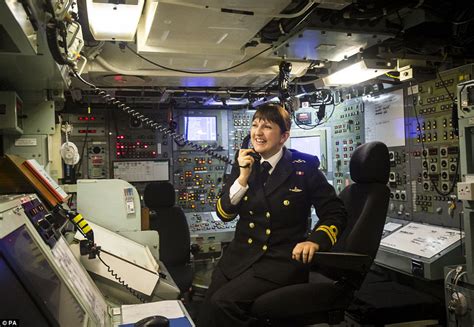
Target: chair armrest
(343,260)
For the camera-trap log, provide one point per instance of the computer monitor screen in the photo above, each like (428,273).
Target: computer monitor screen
(200,128)
(36,279)
(307,144)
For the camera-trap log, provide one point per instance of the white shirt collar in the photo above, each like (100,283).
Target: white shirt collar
(273,160)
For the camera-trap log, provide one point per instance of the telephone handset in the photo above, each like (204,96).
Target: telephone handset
(246,144)
(255,156)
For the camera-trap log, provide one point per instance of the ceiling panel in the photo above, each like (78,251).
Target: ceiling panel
(174,26)
(327,45)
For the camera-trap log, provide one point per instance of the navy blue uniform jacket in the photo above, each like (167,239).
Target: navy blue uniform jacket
(274,218)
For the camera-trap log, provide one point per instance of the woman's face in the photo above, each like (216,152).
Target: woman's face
(267,138)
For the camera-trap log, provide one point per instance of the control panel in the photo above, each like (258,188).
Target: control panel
(89,133)
(198,180)
(347,133)
(208,233)
(141,146)
(206,222)
(134,140)
(399,184)
(97,159)
(424,167)
(92,125)
(240,123)
(434,148)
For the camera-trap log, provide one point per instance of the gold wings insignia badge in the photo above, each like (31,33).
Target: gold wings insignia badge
(299,161)
(296,189)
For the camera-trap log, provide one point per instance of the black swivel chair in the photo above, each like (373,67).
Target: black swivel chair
(170,222)
(336,275)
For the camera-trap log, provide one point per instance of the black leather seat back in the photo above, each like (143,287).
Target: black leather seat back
(170,222)
(363,235)
(366,200)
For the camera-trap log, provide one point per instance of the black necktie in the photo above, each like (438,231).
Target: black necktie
(264,171)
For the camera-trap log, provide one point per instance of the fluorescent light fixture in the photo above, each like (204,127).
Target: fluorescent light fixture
(359,72)
(118,22)
(228,102)
(261,101)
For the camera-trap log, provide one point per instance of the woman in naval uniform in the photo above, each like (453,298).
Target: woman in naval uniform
(272,246)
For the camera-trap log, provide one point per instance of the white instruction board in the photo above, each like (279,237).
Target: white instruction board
(385,118)
(142,171)
(422,240)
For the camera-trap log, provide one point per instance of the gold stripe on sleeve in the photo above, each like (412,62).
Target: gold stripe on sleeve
(329,232)
(224,214)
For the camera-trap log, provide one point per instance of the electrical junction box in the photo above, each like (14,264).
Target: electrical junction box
(466,191)
(11,113)
(28,146)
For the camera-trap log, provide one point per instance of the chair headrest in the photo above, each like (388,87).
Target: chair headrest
(159,194)
(370,163)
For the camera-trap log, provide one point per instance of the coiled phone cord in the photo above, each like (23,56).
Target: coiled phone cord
(164,130)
